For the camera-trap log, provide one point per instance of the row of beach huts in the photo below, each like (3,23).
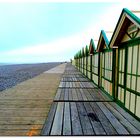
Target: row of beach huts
(114,66)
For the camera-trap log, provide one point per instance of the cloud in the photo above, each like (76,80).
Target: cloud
(64,48)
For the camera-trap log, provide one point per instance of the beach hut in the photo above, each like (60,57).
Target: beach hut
(83,60)
(126,43)
(105,72)
(80,60)
(86,60)
(76,60)
(94,63)
(90,53)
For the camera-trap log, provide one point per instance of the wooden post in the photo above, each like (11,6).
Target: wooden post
(115,73)
(91,67)
(100,69)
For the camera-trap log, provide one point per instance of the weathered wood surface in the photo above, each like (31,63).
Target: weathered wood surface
(90,118)
(74,79)
(58,120)
(80,94)
(84,109)
(77,85)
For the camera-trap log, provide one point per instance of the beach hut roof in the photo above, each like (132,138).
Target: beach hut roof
(103,42)
(86,50)
(126,19)
(80,54)
(91,47)
(83,52)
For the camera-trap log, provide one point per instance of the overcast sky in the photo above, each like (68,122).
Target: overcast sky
(46,32)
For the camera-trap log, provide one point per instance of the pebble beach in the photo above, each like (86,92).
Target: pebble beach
(11,75)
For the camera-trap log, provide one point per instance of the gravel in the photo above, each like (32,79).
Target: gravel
(11,75)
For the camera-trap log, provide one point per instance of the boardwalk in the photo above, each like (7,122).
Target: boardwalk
(81,108)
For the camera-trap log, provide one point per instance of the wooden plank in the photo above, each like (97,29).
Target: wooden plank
(83,95)
(94,95)
(61,84)
(19,132)
(49,121)
(91,85)
(58,119)
(74,95)
(66,94)
(85,122)
(70,94)
(98,128)
(21,120)
(62,94)
(116,124)
(104,121)
(131,129)
(126,115)
(18,127)
(80,98)
(80,85)
(70,85)
(84,84)
(103,95)
(76,124)
(67,120)
(23,112)
(58,94)
(64,84)
(87,94)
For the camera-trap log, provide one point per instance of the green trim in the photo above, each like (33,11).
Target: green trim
(95,73)
(107,69)
(125,73)
(132,42)
(107,79)
(92,47)
(103,41)
(134,17)
(133,74)
(113,73)
(136,78)
(126,11)
(105,38)
(95,66)
(86,51)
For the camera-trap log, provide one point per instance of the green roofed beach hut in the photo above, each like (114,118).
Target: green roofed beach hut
(94,63)
(86,59)
(89,65)
(105,68)
(126,42)
(83,60)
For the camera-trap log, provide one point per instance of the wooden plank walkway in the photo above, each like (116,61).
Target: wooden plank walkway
(88,95)
(77,85)
(89,118)
(86,110)
(73,78)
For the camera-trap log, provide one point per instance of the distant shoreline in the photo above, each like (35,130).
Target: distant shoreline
(3,64)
